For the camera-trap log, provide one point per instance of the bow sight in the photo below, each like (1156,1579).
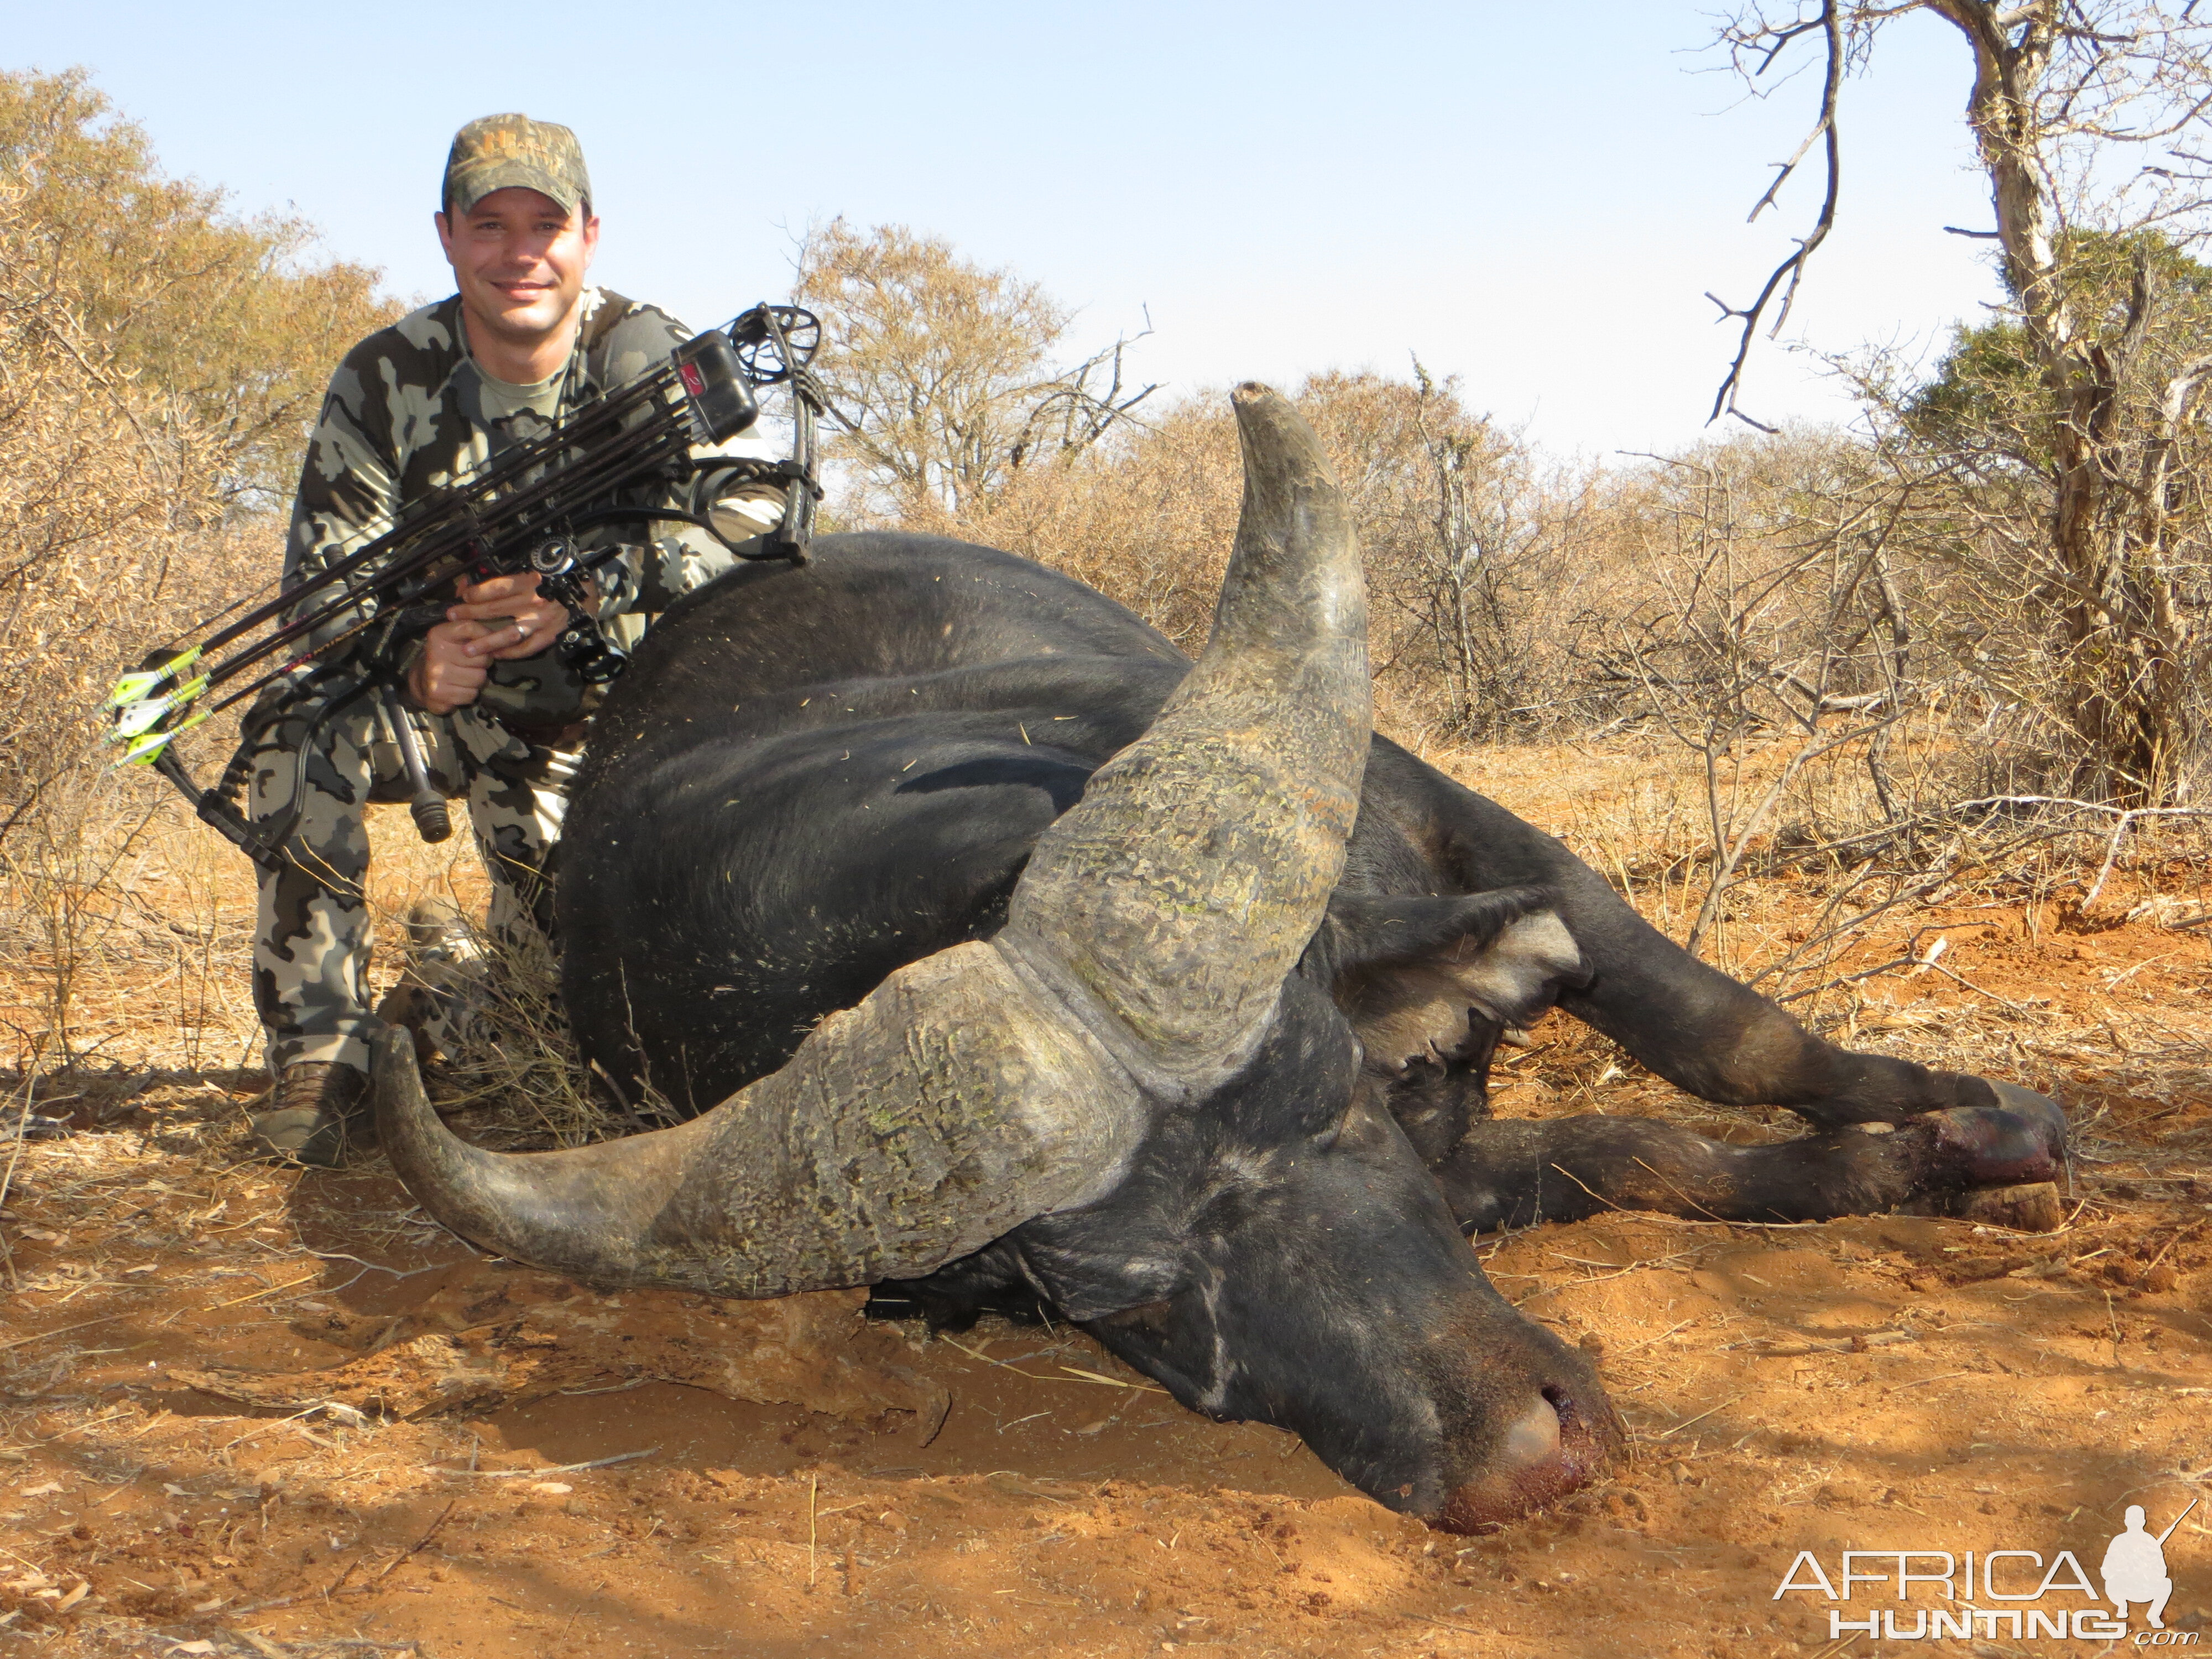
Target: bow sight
(521,510)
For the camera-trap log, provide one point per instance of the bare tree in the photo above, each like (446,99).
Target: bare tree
(944,371)
(159,362)
(1479,543)
(1764,633)
(2059,91)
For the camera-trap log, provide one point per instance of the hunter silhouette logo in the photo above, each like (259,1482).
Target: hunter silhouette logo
(2026,1597)
(2135,1566)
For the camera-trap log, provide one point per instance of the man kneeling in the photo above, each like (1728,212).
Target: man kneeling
(522,343)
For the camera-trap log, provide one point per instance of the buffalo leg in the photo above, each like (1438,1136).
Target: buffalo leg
(1510,1172)
(1693,1024)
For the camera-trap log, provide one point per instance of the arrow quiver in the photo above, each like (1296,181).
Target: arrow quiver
(523,510)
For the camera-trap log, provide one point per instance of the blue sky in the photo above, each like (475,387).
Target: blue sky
(1532,197)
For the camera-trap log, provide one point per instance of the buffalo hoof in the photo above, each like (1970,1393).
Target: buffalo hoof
(1557,1447)
(2023,1140)
(2033,1208)
(414,1007)
(2044,1114)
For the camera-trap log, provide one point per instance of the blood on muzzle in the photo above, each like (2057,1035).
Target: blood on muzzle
(1561,1442)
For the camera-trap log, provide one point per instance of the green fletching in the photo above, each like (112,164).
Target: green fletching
(145,750)
(132,688)
(137,688)
(138,718)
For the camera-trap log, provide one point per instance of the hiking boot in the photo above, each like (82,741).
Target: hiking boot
(317,1114)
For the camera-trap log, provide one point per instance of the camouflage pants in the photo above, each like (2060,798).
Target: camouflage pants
(311,949)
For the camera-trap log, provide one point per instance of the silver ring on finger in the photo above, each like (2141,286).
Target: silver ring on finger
(521,630)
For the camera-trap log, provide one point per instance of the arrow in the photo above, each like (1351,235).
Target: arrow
(137,688)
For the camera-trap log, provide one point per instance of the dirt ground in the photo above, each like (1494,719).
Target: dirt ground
(251,1411)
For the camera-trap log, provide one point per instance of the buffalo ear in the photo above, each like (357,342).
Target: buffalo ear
(1364,930)
(1414,975)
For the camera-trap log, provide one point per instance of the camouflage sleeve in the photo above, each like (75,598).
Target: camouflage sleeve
(348,491)
(645,580)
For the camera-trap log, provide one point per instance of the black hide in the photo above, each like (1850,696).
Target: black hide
(814,775)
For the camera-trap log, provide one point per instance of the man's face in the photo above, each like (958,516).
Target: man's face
(520,261)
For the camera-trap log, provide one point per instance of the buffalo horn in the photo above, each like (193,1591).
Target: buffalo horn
(950,1107)
(1181,890)
(991,1083)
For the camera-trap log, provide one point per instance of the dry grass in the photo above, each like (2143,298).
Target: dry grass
(158,358)
(158,972)
(514,1060)
(261,1268)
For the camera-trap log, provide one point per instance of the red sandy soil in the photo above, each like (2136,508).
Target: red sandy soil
(250,1411)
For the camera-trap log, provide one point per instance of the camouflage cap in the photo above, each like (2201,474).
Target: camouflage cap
(495,152)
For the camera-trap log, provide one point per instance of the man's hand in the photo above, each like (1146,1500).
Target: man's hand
(503,619)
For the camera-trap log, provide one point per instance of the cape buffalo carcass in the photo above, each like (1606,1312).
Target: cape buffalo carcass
(1001,948)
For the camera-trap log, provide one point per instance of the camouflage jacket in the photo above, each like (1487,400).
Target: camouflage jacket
(405,415)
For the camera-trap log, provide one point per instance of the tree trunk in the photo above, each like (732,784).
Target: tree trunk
(2123,671)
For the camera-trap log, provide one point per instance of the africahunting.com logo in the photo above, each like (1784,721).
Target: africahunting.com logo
(2026,1597)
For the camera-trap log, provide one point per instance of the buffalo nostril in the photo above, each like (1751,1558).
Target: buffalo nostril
(1554,1447)
(1587,1443)
(1533,1439)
